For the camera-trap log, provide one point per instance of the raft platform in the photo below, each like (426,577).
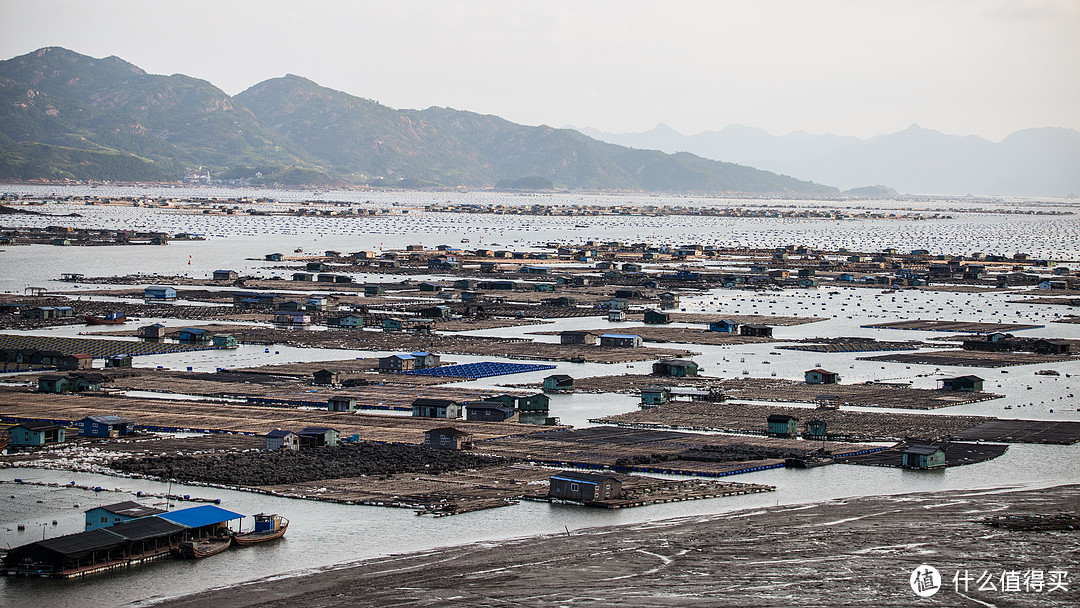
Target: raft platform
(98,349)
(474,371)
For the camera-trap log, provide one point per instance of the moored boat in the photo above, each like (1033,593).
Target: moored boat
(109,318)
(198,549)
(267,527)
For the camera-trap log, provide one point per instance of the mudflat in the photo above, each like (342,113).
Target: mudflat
(859,551)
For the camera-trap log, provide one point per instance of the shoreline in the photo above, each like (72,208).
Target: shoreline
(813,554)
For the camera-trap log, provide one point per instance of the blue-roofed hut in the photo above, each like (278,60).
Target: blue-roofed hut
(105,426)
(620,341)
(159,292)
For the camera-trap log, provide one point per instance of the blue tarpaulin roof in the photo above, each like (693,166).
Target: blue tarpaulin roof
(197,517)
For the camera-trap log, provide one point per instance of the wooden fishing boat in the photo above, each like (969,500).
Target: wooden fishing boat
(267,527)
(111,318)
(198,549)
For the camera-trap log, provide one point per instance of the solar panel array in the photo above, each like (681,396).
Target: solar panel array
(473,371)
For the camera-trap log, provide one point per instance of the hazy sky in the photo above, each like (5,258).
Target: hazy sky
(850,67)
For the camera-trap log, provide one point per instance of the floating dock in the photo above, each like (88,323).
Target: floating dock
(98,349)
(956,454)
(1024,431)
(474,371)
(953,326)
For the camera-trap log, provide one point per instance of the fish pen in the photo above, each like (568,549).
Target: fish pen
(654,451)
(750,419)
(971,358)
(952,326)
(208,417)
(864,346)
(1025,431)
(98,349)
(790,391)
(474,371)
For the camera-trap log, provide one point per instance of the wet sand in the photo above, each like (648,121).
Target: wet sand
(857,551)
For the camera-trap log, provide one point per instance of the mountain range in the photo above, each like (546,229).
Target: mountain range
(1030,162)
(64,115)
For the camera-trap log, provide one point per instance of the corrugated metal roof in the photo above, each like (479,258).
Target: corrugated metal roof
(81,543)
(145,528)
(197,517)
(315,430)
(36,426)
(108,419)
(130,508)
(921,450)
(585,477)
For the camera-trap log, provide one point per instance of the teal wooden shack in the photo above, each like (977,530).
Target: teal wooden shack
(675,367)
(225,341)
(36,433)
(615,304)
(817,429)
(962,383)
(725,326)
(652,396)
(341,403)
(783,426)
(346,321)
(922,456)
(537,402)
(118,361)
(117,513)
(559,383)
(53,383)
(657,317)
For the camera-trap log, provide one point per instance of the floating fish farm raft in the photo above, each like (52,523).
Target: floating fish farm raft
(473,371)
(953,326)
(1027,431)
(956,454)
(98,349)
(790,391)
(853,347)
(666,452)
(971,358)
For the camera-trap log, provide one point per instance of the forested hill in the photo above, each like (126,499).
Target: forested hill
(68,116)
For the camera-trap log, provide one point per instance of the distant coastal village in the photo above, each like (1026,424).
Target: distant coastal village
(474,364)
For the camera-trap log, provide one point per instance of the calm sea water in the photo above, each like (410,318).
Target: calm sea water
(324,535)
